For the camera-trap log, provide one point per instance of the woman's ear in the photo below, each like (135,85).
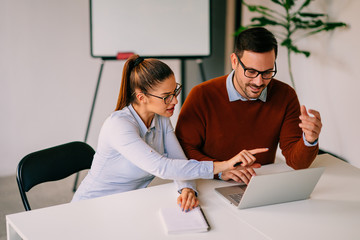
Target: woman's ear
(141,97)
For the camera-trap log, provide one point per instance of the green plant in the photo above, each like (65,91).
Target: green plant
(290,20)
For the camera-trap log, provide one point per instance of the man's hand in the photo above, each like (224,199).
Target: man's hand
(240,174)
(311,126)
(187,200)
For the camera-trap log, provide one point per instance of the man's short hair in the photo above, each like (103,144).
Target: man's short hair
(257,39)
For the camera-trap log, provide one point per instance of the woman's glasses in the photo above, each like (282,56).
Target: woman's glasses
(168,99)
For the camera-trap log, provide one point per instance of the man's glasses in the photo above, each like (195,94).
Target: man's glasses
(252,73)
(168,99)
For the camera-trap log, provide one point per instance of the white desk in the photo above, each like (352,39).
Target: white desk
(333,212)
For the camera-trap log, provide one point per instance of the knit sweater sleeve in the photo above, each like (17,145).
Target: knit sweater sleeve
(190,128)
(296,153)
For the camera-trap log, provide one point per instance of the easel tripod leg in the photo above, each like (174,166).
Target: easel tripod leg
(90,117)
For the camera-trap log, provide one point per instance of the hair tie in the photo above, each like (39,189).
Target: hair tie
(138,61)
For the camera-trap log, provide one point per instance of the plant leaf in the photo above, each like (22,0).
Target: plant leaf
(256,8)
(306,3)
(288,44)
(332,25)
(277,2)
(312,15)
(306,24)
(329,26)
(265,11)
(315,24)
(263,21)
(260,9)
(299,23)
(289,4)
(299,20)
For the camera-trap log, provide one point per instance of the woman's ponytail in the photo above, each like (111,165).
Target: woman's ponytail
(126,90)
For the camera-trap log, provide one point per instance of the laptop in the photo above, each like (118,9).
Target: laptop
(273,188)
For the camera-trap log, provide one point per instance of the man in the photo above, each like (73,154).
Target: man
(248,109)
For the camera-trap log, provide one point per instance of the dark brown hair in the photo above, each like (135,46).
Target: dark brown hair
(257,39)
(143,74)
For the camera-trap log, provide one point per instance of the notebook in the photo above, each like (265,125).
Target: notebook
(177,221)
(273,188)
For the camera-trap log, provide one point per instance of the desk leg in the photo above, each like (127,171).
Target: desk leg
(11,233)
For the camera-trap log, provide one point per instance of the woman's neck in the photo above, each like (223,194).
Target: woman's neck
(145,115)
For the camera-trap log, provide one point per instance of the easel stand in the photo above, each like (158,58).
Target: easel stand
(90,117)
(124,56)
(201,68)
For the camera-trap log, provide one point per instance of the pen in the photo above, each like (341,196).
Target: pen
(237,164)
(202,212)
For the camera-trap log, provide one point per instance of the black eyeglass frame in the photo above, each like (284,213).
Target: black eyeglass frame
(258,72)
(176,93)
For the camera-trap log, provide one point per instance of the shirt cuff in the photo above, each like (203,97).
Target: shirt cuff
(196,193)
(309,144)
(180,185)
(219,175)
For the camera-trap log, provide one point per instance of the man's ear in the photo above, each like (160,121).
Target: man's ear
(234,61)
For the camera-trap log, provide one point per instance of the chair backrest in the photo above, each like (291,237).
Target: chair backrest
(52,164)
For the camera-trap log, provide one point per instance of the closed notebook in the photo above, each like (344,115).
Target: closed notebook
(177,221)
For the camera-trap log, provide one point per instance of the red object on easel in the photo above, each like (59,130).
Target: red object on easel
(124,55)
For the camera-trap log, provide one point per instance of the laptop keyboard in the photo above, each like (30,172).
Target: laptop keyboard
(236,197)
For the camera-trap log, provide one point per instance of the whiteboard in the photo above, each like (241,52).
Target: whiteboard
(156,28)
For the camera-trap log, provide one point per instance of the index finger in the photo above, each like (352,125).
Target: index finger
(315,113)
(258,150)
(303,110)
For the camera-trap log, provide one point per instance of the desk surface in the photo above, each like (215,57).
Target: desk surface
(332,212)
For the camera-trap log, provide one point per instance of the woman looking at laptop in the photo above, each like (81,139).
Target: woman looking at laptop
(137,141)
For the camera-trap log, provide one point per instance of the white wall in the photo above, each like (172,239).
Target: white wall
(329,79)
(47,78)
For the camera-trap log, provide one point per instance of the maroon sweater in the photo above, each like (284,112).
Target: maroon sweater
(210,127)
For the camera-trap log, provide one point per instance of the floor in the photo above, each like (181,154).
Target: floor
(43,195)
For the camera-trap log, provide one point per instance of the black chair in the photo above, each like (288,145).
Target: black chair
(52,164)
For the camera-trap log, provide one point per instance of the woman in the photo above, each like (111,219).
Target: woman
(137,141)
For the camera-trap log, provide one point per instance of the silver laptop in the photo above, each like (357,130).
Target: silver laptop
(273,188)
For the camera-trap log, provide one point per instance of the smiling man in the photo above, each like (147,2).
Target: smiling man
(248,109)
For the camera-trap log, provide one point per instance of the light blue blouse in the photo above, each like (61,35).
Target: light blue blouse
(129,155)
